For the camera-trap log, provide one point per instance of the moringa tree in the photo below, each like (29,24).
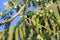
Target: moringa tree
(42,23)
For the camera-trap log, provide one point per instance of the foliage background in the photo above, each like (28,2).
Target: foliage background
(41,23)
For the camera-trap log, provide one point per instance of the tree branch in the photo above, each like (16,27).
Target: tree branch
(13,17)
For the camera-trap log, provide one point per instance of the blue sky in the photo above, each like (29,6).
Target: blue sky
(1,10)
(1,5)
(17,18)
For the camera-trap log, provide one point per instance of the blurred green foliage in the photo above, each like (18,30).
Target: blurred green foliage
(41,24)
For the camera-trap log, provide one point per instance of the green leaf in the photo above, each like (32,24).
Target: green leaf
(16,34)
(1,13)
(39,37)
(30,14)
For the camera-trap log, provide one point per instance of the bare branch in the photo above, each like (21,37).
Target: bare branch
(13,17)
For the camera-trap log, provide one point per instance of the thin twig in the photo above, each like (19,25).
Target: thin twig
(13,17)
